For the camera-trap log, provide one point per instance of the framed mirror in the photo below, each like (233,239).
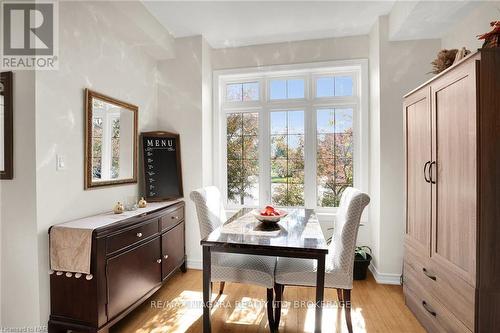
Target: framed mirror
(110,142)
(6,127)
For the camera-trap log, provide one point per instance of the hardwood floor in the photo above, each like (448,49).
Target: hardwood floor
(176,307)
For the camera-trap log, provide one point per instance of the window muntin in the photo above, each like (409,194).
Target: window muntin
(242,131)
(334,86)
(242,92)
(287,158)
(321,177)
(282,89)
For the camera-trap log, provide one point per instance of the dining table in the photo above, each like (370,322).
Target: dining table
(297,235)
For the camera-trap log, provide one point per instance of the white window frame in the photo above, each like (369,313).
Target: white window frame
(310,71)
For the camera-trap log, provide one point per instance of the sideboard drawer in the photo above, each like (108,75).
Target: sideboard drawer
(132,236)
(172,218)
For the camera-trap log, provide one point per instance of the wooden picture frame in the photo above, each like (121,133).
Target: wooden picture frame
(89,183)
(162,135)
(6,78)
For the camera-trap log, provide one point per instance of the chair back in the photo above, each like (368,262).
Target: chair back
(345,232)
(209,208)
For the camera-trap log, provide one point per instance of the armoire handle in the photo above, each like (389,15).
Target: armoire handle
(426,307)
(430,172)
(425,171)
(432,277)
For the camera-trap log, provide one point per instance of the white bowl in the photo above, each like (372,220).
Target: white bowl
(269,219)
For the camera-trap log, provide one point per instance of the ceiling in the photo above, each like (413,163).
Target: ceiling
(240,23)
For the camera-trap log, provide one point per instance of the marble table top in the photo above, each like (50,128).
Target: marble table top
(299,230)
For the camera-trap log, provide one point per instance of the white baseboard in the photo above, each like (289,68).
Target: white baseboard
(385,278)
(194,264)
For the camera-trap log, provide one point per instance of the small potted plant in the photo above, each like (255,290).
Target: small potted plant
(362,258)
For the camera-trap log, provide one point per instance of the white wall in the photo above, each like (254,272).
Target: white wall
(19,270)
(401,67)
(291,53)
(95,55)
(374,177)
(185,103)
(464,33)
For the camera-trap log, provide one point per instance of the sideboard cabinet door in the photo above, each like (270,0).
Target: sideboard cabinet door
(131,275)
(172,247)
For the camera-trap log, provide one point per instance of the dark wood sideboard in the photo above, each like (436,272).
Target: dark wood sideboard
(130,261)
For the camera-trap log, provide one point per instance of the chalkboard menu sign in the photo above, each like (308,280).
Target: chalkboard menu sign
(162,166)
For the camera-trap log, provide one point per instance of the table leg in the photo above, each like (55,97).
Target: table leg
(320,290)
(207,289)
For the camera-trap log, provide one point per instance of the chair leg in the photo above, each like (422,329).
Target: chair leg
(340,297)
(221,287)
(278,290)
(347,305)
(270,317)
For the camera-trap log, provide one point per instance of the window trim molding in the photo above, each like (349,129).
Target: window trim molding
(358,67)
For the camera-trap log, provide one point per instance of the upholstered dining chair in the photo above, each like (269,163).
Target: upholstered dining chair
(232,267)
(339,261)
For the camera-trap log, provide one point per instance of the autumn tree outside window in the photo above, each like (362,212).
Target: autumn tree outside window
(292,138)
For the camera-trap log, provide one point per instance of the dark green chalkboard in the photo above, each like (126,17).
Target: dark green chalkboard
(161,166)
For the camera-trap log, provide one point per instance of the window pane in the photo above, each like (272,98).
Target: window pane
(251,123)
(295,88)
(279,146)
(251,91)
(296,146)
(242,92)
(343,86)
(278,89)
(278,123)
(234,124)
(250,147)
(287,89)
(242,158)
(325,87)
(343,121)
(334,154)
(326,120)
(234,92)
(295,122)
(325,145)
(287,158)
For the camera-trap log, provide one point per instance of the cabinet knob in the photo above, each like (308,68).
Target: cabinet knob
(139,234)
(165,256)
(158,261)
(175,217)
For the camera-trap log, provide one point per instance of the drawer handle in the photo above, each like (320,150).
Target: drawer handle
(432,277)
(139,234)
(165,256)
(426,307)
(175,217)
(158,261)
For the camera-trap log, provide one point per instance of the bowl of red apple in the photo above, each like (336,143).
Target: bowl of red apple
(269,214)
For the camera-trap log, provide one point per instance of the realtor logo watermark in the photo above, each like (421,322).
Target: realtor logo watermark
(29,35)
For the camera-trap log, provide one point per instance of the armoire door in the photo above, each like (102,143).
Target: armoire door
(418,159)
(454,172)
